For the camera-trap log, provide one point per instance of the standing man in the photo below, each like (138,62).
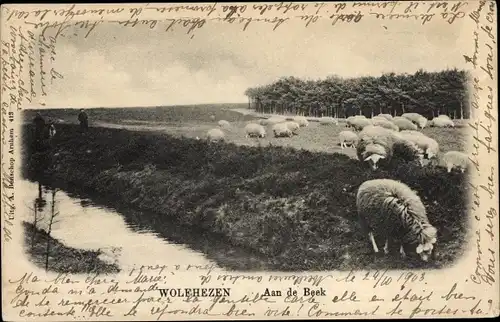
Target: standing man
(84,121)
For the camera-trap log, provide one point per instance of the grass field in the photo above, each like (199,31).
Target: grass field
(285,199)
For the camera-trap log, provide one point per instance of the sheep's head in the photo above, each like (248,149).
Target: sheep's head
(429,238)
(374,159)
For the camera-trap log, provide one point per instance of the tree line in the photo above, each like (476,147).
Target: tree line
(428,93)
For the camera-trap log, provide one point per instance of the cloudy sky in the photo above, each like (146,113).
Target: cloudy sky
(117,66)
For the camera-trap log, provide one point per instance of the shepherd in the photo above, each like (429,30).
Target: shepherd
(84,122)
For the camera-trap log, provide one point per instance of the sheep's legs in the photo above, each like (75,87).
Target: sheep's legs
(374,244)
(342,145)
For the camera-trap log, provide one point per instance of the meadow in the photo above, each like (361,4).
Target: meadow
(291,200)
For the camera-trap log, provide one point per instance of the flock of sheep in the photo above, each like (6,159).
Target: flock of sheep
(386,208)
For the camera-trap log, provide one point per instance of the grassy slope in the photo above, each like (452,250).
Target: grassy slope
(62,259)
(287,204)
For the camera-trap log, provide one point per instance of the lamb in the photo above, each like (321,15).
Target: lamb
(360,123)
(255,130)
(348,138)
(455,159)
(223,123)
(383,122)
(404,124)
(390,211)
(386,116)
(442,122)
(215,135)
(281,130)
(326,120)
(301,120)
(293,126)
(416,118)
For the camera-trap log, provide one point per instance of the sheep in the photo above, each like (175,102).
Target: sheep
(301,120)
(386,116)
(380,121)
(455,159)
(360,123)
(416,118)
(212,117)
(215,135)
(255,130)
(368,138)
(293,126)
(428,147)
(348,138)
(392,142)
(281,130)
(441,122)
(444,116)
(404,124)
(392,212)
(326,120)
(223,123)
(350,119)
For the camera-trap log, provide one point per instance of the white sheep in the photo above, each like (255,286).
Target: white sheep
(392,142)
(215,135)
(444,116)
(404,124)
(223,123)
(383,122)
(212,117)
(350,119)
(389,211)
(301,120)
(293,126)
(416,119)
(386,116)
(455,159)
(348,138)
(281,130)
(375,143)
(255,130)
(428,147)
(326,120)
(441,122)
(360,123)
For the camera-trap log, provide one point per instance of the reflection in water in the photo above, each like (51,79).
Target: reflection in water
(131,237)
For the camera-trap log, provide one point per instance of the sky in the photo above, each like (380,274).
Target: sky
(118,66)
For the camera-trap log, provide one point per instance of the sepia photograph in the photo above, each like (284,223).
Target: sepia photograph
(298,141)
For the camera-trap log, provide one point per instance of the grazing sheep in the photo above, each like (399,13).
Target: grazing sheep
(223,123)
(350,119)
(215,135)
(380,121)
(326,120)
(444,116)
(404,124)
(441,122)
(293,126)
(281,130)
(360,123)
(416,119)
(255,130)
(348,138)
(368,138)
(301,120)
(212,117)
(428,147)
(455,159)
(393,143)
(388,210)
(386,116)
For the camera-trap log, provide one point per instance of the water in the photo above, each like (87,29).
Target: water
(140,238)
